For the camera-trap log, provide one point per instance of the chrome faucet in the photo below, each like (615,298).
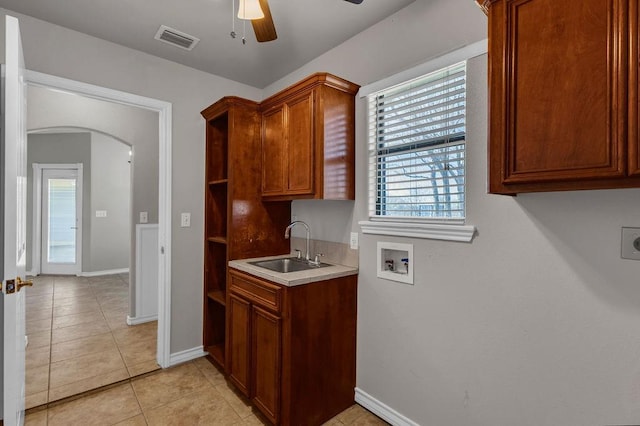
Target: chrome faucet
(287,233)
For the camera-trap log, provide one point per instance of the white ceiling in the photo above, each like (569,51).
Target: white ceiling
(306,29)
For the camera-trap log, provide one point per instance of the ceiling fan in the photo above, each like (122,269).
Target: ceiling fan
(264,28)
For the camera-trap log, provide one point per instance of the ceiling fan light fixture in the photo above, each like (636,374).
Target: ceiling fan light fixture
(250,10)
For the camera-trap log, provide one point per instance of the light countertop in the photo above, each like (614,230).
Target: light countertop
(291,279)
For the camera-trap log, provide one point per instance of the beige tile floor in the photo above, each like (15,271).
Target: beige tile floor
(79,339)
(194,393)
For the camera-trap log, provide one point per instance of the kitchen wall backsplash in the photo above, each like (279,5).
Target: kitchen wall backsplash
(333,252)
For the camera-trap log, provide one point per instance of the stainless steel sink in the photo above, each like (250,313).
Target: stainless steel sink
(289,264)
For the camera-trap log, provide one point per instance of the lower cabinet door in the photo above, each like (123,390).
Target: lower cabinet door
(266,362)
(239,362)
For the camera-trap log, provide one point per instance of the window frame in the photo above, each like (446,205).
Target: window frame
(451,229)
(417,129)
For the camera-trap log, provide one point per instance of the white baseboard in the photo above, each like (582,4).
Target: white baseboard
(107,272)
(31,273)
(382,410)
(187,355)
(141,320)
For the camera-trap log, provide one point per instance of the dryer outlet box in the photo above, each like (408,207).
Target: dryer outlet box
(630,243)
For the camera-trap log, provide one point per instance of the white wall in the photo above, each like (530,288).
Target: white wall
(61,52)
(111,192)
(536,322)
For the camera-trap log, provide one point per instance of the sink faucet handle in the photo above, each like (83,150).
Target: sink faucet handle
(318,255)
(298,253)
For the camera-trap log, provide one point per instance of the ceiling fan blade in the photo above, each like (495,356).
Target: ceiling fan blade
(354,1)
(264,28)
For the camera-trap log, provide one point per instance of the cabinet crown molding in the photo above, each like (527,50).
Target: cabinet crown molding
(317,79)
(485,4)
(224,104)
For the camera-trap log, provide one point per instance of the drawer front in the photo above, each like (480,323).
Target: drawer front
(257,291)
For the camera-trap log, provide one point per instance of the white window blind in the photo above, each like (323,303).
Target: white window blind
(417,147)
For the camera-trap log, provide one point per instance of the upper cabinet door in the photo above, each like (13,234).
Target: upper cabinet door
(274,151)
(558,84)
(301,145)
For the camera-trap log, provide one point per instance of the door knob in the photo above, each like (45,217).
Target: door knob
(20,283)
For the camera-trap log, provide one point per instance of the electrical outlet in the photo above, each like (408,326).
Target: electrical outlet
(101,213)
(144,217)
(353,242)
(185,220)
(630,243)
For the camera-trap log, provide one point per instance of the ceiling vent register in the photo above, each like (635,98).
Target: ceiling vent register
(176,38)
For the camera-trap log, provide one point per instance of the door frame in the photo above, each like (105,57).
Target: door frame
(164,110)
(36,232)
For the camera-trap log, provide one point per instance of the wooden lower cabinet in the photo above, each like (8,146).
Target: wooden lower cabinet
(291,350)
(238,342)
(265,350)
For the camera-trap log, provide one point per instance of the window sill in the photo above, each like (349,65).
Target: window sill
(432,231)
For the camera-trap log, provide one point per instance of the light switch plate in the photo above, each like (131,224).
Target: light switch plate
(101,213)
(630,243)
(144,217)
(353,241)
(185,220)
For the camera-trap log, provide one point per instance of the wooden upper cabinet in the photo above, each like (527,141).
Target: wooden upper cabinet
(634,98)
(560,90)
(287,148)
(308,140)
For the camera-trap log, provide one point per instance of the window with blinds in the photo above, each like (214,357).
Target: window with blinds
(417,148)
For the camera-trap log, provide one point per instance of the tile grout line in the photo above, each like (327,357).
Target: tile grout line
(135,393)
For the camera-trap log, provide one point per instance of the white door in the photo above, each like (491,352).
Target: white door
(14,138)
(61,215)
